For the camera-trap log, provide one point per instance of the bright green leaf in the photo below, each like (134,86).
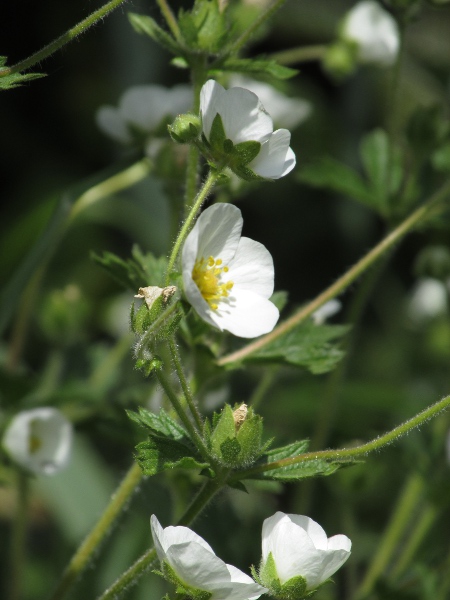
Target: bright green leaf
(147,25)
(258,66)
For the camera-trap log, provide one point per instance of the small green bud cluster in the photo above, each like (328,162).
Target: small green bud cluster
(341,59)
(185,129)
(234,438)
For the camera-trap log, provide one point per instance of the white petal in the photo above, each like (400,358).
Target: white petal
(199,568)
(275,158)
(313,529)
(144,106)
(110,121)
(196,300)
(209,96)
(216,233)
(293,551)
(244,117)
(285,112)
(170,536)
(252,268)
(158,537)
(246,314)
(374,30)
(268,529)
(243,586)
(339,548)
(50,430)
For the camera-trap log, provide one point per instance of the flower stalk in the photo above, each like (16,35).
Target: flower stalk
(184,384)
(18,539)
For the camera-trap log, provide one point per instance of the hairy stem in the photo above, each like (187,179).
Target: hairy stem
(201,197)
(417,217)
(184,384)
(63,39)
(18,539)
(86,551)
(170,18)
(355,452)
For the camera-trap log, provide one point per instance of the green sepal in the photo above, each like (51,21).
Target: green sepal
(268,575)
(223,429)
(182,588)
(249,437)
(148,365)
(140,319)
(238,485)
(247,174)
(185,128)
(245,152)
(294,589)
(147,25)
(230,450)
(217,136)
(258,66)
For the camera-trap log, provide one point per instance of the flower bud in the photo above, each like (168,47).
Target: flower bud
(340,59)
(185,129)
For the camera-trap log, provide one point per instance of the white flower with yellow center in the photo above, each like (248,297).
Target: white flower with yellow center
(197,567)
(39,440)
(228,279)
(245,119)
(374,31)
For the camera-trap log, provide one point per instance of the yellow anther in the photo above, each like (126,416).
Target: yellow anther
(206,275)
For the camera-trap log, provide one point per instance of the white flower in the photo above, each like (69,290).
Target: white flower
(196,565)
(285,112)
(40,440)
(245,119)
(228,278)
(374,30)
(299,546)
(142,108)
(326,311)
(429,299)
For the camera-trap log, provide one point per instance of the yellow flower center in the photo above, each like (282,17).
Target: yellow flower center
(207,275)
(34,440)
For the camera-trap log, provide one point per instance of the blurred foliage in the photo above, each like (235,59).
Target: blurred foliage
(77,351)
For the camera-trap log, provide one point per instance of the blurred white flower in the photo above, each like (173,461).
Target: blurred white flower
(326,311)
(195,564)
(142,109)
(299,547)
(429,299)
(285,112)
(40,440)
(245,119)
(375,32)
(228,278)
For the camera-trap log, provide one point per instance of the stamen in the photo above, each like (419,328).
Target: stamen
(206,275)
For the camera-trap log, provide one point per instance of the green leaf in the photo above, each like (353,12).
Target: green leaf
(280,299)
(303,470)
(258,66)
(160,453)
(331,174)
(205,26)
(13,80)
(160,424)
(133,273)
(288,451)
(308,346)
(382,163)
(147,25)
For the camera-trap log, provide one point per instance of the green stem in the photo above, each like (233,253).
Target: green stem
(170,18)
(85,552)
(18,538)
(418,216)
(264,385)
(200,198)
(118,182)
(63,39)
(356,451)
(145,562)
(251,30)
(184,384)
(406,504)
(299,55)
(195,436)
(420,529)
